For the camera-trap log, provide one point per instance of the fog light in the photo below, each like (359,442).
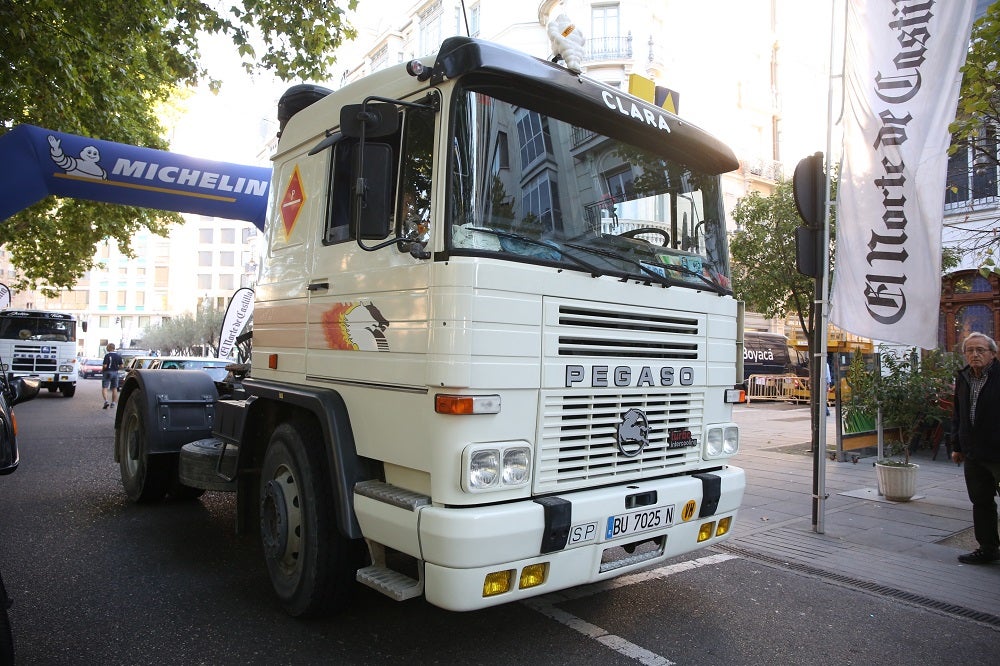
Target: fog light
(687,513)
(497,582)
(724,526)
(706,531)
(533,575)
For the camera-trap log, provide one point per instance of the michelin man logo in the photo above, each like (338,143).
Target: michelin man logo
(85,165)
(567,42)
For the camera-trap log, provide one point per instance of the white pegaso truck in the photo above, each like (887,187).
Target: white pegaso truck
(494,346)
(40,344)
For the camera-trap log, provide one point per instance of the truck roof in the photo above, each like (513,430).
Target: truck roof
(562,93)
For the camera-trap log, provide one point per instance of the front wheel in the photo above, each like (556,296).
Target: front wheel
(146,478)
(311,565)
(6,635)
(68,390)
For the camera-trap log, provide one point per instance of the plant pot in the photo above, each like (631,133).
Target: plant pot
(897,482)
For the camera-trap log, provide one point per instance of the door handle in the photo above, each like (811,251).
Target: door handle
(316,286)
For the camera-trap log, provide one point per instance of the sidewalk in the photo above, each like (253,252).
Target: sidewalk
(907,550)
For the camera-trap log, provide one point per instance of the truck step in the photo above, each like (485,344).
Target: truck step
(390,494)
(393,584)
(202,465)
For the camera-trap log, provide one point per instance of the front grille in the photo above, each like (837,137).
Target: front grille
(28,358)
(578,442)
(627,334)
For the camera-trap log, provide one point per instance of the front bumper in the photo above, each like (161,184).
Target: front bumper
(461,546)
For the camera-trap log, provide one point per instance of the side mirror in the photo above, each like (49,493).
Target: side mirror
(374,120)
(24,389)
(373,174)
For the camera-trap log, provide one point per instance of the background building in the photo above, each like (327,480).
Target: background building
(755,73)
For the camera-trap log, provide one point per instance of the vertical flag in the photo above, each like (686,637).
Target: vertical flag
(901,90)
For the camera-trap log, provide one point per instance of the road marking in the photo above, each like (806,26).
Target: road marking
(546,605)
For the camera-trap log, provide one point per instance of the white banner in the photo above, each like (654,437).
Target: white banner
(238,315)
(901,85)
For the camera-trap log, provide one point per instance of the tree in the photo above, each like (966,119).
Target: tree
(763,254)
(977,122)
(103,69)
(187,334)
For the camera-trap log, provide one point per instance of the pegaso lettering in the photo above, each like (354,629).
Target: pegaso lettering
(633,110)
(598,376)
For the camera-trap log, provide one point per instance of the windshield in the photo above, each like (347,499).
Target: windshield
(52,327)
(531,187)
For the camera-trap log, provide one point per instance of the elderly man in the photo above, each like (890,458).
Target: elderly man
(976,422)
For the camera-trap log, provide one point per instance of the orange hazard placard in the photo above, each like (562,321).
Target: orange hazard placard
(291,202)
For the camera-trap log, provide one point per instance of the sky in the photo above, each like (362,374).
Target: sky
(233,125)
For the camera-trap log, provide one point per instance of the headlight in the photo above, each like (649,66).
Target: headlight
(721,441)
(484,469)
(496,467)
(731,440)
(65,368)
(516,466)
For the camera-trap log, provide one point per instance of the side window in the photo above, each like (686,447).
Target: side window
(338,214)
(415,175)
(339,225)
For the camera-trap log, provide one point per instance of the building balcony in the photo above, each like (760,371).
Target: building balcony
(762,169)
(609,48)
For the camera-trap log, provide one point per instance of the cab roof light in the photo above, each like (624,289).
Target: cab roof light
(466,404)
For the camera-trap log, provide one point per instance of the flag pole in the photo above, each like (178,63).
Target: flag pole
(821,305)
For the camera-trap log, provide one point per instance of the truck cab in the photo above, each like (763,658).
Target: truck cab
(494,341)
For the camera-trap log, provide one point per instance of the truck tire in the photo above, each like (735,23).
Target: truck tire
(6,639)
(68,390)
(6,635)
(310,563)
(146,478)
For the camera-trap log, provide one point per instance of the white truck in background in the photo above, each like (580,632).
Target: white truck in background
(42,344)
(462,385)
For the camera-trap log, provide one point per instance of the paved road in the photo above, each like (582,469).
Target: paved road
(99,581)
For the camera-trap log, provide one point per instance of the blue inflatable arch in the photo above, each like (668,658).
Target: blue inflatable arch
(36,162)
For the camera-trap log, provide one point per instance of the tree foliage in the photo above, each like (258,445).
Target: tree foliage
(763,258)
(186,334)
(102,69)
(977,122)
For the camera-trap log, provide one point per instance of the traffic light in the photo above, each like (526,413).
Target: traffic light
(809,191)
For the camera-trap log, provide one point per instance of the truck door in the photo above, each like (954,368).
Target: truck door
(365,305)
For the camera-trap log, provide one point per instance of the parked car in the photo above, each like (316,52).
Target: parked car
(215,367)
(11,393)
(89,368)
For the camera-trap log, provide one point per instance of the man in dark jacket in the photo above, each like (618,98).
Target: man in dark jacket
(976,422)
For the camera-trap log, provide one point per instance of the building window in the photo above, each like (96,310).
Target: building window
(204,281)
(227,235)
(972,172)
(102,299)
(605,40)
(474,21)
(226,281)
(537,202)
(227,258)
(104,321)
(206,235)
(533,135)
(430,29)
(161,276)
(204,258)
(120,298)
(968,304)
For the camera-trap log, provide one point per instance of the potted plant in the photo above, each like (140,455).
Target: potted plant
(912,391)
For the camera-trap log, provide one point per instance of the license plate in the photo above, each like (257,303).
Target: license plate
(643,520)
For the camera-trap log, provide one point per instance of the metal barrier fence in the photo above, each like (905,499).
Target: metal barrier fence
(785,388)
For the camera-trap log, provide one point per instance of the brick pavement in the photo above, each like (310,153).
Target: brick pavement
(907,550)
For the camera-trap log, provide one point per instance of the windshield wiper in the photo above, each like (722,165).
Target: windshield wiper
(586,265)
(649,271)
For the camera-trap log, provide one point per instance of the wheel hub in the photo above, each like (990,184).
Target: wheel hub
(273,520)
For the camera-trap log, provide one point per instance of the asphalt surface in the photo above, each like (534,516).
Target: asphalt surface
(97,580)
